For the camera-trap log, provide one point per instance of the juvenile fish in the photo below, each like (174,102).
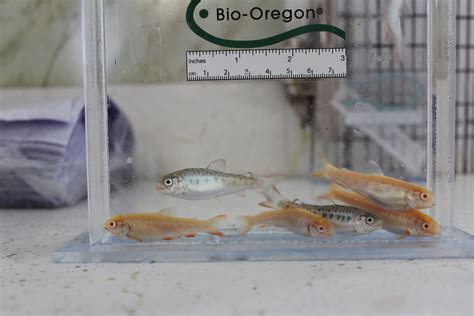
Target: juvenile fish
(410,222)
(388,192)
(157,226)
(299,221)
(345,219)
(206,183)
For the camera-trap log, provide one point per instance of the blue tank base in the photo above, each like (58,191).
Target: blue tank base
(268,245)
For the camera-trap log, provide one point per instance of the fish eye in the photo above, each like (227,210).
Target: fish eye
(369,220)
(296,201)
(424,196)
(168,182)
(112,224)
(321,229)
(425,226)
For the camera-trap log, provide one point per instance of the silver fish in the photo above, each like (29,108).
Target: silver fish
(206,183)
(345,219)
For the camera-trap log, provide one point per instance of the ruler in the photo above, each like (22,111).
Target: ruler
(294,63)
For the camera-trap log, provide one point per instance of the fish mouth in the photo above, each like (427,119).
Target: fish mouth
(435,231)
(329,233)
(160,187)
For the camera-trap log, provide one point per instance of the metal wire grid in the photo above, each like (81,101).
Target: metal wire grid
(373,42)
(464,87)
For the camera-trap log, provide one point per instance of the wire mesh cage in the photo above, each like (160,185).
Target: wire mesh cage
(394,88)
(464,87)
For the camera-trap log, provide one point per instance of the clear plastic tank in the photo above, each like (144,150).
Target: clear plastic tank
(394,105)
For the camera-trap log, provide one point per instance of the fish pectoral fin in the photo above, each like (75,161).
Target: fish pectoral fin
(218,165)
(405,234)
(168,238)
(167,211)
(263,225)
(266,204)
(373,168)
(216,233)
(134,238)
(242,194)
(190,235)
(375,199)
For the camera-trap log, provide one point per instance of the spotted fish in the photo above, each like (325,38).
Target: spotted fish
(410,222)
(345,219)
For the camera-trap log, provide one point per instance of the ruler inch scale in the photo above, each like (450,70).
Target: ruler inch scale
(257,64)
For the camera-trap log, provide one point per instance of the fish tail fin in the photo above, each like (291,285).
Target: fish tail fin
(326,166)
(214,223)
(243,224)
(326,196)
(331,194)
(266,186)
(272,198)
(399,50)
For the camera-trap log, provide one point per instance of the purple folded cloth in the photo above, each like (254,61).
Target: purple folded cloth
(43,153)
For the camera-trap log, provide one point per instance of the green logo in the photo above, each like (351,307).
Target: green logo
(253,43)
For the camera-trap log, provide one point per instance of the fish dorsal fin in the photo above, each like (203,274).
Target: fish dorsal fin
(297,201)
(373,168)
(218,165)
(167,211)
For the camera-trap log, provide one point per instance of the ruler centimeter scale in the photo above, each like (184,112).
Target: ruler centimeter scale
(285,63)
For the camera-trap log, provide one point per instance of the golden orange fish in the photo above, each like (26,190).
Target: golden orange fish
(409,222)
(296,220)
(157,226)
(388,192)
